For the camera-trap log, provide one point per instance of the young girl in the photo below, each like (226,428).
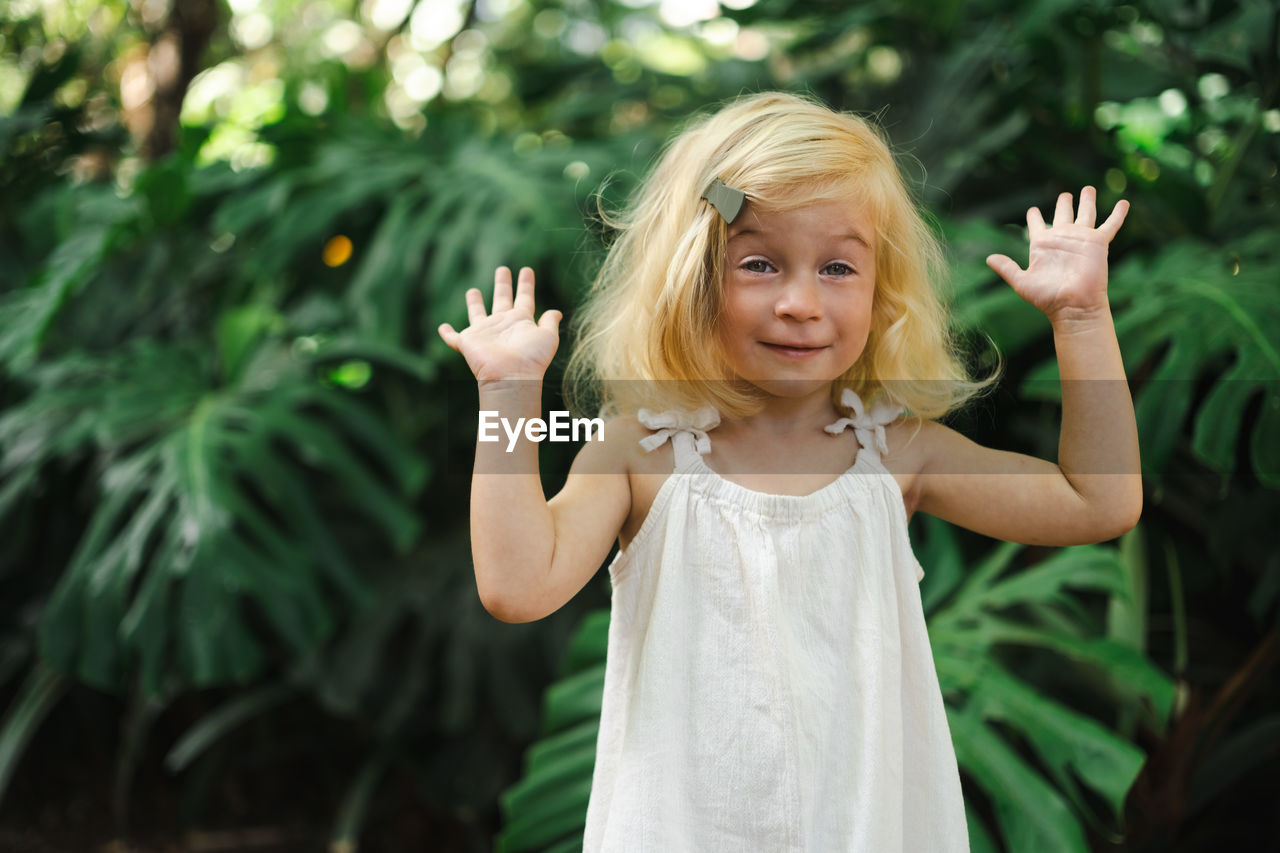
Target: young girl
(769,683)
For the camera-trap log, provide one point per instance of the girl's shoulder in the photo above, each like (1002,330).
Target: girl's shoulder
(909,442)
(928,446)
(620,450)
(646,470)
(904,430)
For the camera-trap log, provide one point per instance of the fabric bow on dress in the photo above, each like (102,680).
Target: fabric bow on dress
(868,427)
(669,423)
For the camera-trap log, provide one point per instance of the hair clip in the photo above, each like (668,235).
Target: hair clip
(725,199)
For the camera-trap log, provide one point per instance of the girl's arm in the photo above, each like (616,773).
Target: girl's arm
(530,556)
(1095,491)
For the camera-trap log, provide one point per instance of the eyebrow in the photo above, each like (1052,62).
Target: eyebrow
(852,236)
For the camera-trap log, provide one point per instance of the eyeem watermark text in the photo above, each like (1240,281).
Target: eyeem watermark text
(560,428)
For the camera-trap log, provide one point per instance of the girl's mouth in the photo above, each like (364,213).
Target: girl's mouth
(793,351)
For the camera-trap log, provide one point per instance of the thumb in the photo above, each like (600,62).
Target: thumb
(1005,267)
(550,320)
(449,336)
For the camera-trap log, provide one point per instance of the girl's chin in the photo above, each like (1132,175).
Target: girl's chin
(792,388)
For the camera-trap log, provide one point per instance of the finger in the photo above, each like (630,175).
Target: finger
(501,290)
(475,306)
(1087,215)
(1062,213)
(450,336)
(1109,228)
(524,291)
(551,320)
(1035,223)
(1005,267)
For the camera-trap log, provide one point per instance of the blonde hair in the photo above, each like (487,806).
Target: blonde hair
(652,312)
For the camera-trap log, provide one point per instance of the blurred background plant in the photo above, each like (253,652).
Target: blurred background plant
(237,603)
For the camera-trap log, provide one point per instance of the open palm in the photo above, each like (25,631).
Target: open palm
(1067,268)
(506,343)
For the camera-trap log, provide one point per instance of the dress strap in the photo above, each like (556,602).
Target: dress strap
(867,426)
(687,431)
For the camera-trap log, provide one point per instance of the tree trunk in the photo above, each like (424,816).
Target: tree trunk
(174,60)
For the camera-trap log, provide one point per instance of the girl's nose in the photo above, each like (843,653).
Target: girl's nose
(799,299)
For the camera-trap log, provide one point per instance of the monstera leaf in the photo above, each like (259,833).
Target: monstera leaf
(1030,754)
(1199,330)
(1199,327)
(547,809)
(203,514)
(428,222)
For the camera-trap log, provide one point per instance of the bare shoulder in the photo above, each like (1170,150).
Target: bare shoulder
(909,442)
(621,447)
(935,448)
(646,470)
(613,450)
(906,439)
(924,447)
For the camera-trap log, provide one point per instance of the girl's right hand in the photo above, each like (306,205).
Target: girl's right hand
(506,344)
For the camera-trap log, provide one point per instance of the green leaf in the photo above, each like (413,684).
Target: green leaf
(26,315)
(355,802)
(1265,448)
(1030,814)
(1080,567)
(1131,673)
(164,186)
(1064,740)
(41,691)
(388,271)
(238,330)
(980,840)
(972,593)
(574,699)
(1127,613)
(943,559)
(1162,404)
(550,803)
(215,725)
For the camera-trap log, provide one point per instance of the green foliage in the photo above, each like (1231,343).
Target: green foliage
(1214,314)
(987,701)
(547,808)
(247,434)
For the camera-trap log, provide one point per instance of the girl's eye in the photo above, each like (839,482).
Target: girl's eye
(838,269)
(756,265)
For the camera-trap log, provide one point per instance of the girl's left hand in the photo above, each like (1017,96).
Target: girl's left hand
(1067,271)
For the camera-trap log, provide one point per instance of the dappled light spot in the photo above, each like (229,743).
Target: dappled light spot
(386,14)
(252,31)
(884,63)
(1173,102)
(337,251)
(1213,86)
(434,22)
(353,374)
(683,13)
(671,54)
(751,45)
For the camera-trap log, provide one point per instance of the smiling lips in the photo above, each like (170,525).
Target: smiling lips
(794,351)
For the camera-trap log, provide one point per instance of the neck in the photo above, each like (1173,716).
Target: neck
(783,414)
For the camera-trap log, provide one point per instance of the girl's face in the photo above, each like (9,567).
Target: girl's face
(798,289)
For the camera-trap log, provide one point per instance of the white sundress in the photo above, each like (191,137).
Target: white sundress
(769,684)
